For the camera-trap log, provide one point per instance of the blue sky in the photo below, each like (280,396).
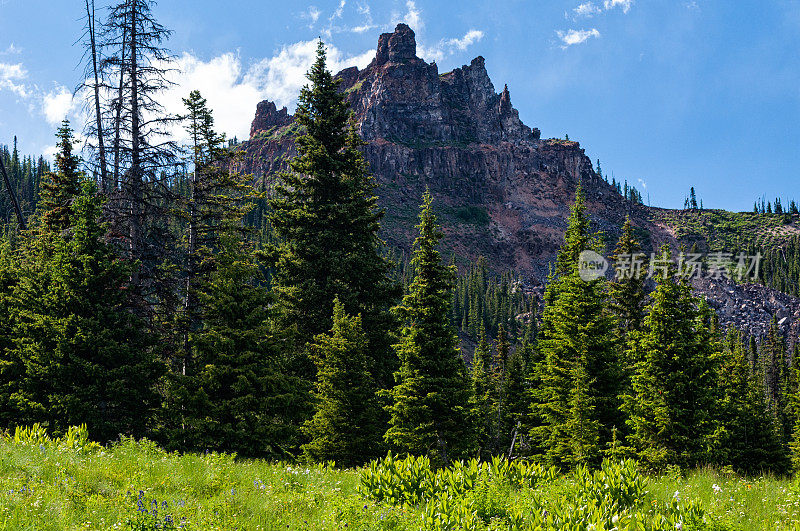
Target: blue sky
(666,93)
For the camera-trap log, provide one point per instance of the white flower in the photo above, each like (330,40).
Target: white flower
(716,488)
(677,496)
(679,526)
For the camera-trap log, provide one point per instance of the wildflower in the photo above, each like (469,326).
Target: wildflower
(679,526)
(716,488)
(677,496)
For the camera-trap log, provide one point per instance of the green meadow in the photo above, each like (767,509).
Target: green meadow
(71,483)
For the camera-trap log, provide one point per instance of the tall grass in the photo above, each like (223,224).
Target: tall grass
(49,485)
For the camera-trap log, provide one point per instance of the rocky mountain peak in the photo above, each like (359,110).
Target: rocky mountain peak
(397,47)
(268,117)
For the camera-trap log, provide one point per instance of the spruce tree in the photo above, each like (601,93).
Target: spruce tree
(326,219)
(516,403)
(579,374)
(482,402)
(346,426)
(749,440)
(86,356)
(627,291)
(238,397)
(430,410)
(61,187)
(671,402)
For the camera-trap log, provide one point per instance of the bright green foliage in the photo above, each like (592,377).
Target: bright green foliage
(749,440)
(481,495)
(670,408)
(60,188)
(346,426)
(326,218)
(579,373)
(430,411)
(413,480)
(100,489)
(86,358)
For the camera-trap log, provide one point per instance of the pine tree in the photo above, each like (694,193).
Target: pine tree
(627,290)
(749,440)
(672,399)
(325,216)
(430,409)
(61,187)
(86,356)
(516,403)
(238,396)
(346,426)
(482,401)
(580,369)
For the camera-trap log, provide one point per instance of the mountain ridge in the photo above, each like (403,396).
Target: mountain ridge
(501,190)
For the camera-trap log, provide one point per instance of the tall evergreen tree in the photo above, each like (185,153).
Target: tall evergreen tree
(346,426)
(671,402)
(627,291)
(580,373)
(237,397)
(749,440)
(430,411)
(516,403)
(61,187)
(326,219)
(86,357)
(482,401)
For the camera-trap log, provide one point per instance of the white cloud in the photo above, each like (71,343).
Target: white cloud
(312,15)
(11,77)
(587,9)
(58,104)
(233,91)
(412,17)
(576,36)
(624,4)
(364,11)
(447,47)
(471,37)
(643,184)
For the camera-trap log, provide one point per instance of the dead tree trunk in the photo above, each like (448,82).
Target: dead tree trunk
(13,197)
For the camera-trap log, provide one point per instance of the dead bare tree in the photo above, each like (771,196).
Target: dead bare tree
(93,85)
(12,196)
(144,153)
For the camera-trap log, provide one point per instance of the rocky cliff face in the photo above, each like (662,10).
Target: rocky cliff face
(501,190)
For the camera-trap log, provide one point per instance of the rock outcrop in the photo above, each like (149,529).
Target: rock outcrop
(501,191)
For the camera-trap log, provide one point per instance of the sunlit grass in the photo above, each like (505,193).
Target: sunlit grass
(138,486)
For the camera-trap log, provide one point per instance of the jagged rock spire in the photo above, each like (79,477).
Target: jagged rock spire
(398,46)
(505,101)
